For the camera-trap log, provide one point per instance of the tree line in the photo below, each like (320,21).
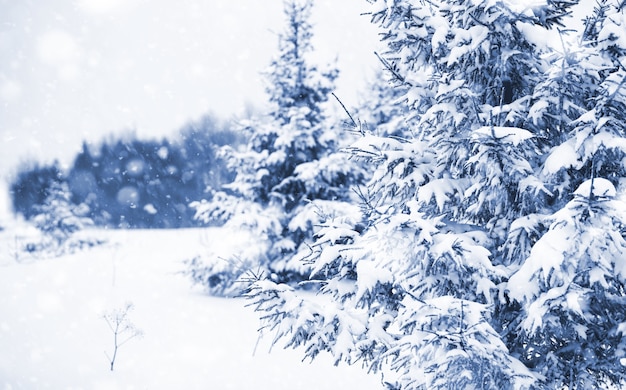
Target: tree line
(126,182)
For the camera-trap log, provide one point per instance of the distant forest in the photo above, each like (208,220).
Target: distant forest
(127,182)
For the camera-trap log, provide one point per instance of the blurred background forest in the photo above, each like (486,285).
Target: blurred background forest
(128,182)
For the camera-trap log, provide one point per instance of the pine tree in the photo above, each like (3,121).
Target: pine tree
(572,319)
(295,86)
(59,219)
(415,292)
(570,289)
(291,175)
(297,132)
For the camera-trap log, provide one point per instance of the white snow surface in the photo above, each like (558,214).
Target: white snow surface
(512,135)
(602,188)
(53,336)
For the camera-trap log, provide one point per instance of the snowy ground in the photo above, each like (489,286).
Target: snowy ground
(53,335)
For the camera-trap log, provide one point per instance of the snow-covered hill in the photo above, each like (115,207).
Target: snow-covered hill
(53,335)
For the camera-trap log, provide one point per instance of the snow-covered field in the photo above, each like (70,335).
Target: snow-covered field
(53,334)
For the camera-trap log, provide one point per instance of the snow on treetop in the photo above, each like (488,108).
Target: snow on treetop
(602,188)
(525,6)
(612,34)
(512,135)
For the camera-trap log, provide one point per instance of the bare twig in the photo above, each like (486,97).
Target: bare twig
(123,330)
(356,125)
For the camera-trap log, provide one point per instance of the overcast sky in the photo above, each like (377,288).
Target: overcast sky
(79,69)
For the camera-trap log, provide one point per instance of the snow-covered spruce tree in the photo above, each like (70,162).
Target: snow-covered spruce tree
(566,91)
(59,219)
(565,99)
(414,294)
(570,98)
(291,176)
(571,288)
